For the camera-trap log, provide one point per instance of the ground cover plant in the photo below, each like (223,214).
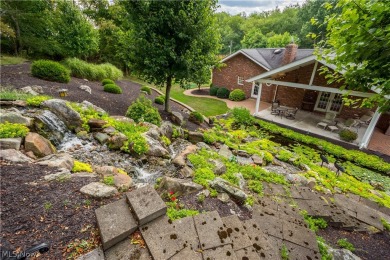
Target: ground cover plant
(13,94)
(81,167)
(11,60)
(343,243)
(36,101)
(196,117)
(146,89)
(175,210)
(160,100)
(11,130)
(90,71)
(50,70)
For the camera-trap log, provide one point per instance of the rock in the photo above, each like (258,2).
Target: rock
(241,180)
(117,141)
(38,89)
(63,174)
(224,197)
(311,182)
(296,179)
(179,186)
(31,155)
(222,185)
(83,135)
(109,130)
(14,156)
(166,129)
(123,181)
(195,137)
(203,145)
(96,123)
(13,103)
(70,117)
(155,148)
(87,104)
(153,133)
(187,172)
(10,143)
(177,118)
(206,193)
(15,117)
(180,159)
(377,185)
(98,190)
(304,167)
(343,254)
(219,167)
(29,90)
(225,152)
(244,160)
(123,119)
(101,137)
(258,160)
(60,160)
(39,145)
(242,153)
(85,88)
(104,171)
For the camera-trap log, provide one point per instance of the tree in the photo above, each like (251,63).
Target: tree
(254,39)
(280,40)
(171,39)
(358,45)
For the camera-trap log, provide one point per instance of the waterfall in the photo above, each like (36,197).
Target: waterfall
(52,127)
(145,176)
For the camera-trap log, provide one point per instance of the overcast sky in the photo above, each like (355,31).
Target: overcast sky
(236,6)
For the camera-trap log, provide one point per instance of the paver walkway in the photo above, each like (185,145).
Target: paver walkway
(249,103)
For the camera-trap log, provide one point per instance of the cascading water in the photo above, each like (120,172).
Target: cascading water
(145,176)
(52,126)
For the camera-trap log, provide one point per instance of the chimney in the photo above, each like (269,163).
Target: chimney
(289,53)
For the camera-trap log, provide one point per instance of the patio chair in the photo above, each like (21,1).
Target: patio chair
(350,123)
(274,107)
(290,114)
(329,118)
(365,119)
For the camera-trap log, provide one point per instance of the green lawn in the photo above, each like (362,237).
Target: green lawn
(11,60)
(205,106)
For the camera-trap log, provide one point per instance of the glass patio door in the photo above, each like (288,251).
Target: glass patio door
(329,102)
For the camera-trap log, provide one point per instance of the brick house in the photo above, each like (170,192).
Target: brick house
(292,77)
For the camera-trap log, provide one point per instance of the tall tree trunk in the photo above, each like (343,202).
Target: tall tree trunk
(167,93)
(18,41)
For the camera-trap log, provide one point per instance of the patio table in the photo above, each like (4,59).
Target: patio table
(281,111)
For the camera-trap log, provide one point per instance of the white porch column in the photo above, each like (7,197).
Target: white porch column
(370,129)
(258,99)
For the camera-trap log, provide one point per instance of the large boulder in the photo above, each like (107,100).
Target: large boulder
(179,186)
(123,181)
(38,144)
(98,190)
(15,117)
(155,148)
(296,179)
(88,105)
(15,156)
(195,137)
(343,254)
(69,116)
(177,118)
(60,160)
(117,141)
(106,170)
(222,185)
(166,129)
(63,174)
(10,143)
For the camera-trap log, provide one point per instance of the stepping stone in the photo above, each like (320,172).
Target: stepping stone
(225,252)
(186,228)
(315,208)
(126,250)
(187,254)
(268,221)
(349,205)
(369,216)
(98,190)
(308,194)
(162,238)
(249,253)
(296,252)
(268,203)
(277,189)
(210,230)
(236,232)
(295,194)
(96,254)
(146,204)
(115,222)
(262,243)
(299,235)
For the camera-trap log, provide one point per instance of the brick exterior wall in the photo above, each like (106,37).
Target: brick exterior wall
(238,65)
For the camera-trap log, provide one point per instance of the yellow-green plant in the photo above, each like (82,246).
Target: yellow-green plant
(12,130)
(81,167)
(37,100)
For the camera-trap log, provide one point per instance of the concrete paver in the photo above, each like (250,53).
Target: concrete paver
(236,232)
(296,252)
(225,252)
(126,250)
(299,235)
(249,253)
(187,254)
(186,228)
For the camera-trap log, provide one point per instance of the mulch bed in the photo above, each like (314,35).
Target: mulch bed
(19,76)
(201,92)
(35,211)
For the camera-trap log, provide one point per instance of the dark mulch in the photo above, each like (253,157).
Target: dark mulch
(201,92)
(34,211)
(19,76)
(367,246)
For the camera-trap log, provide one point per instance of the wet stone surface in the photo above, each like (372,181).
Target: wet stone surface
(296,252)
(126,250)
(299,235)
(186,228)
(236,232)
(249,253)
(187,253)
(225,252)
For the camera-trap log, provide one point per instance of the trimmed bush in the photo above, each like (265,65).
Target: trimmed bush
(213,91)
(160,100)
(50,70)
(142,110)
(237,95)
(112,88)
(146,89)
(107,81)
(196,117)
(223,93)
(90,71)
(348,135)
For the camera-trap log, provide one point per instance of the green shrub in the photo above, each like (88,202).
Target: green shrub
(213,91)
(90,71)
(196,117)
(81,167)
(237,95)
(142,110)
(37,100)
(107,81)
(50,70)
(146,89)
(11,130)
(242,116)
(112,88)
(223,93)
(348,135)
(343,243)
(160,100)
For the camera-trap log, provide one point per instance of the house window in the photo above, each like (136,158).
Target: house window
(240,80)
